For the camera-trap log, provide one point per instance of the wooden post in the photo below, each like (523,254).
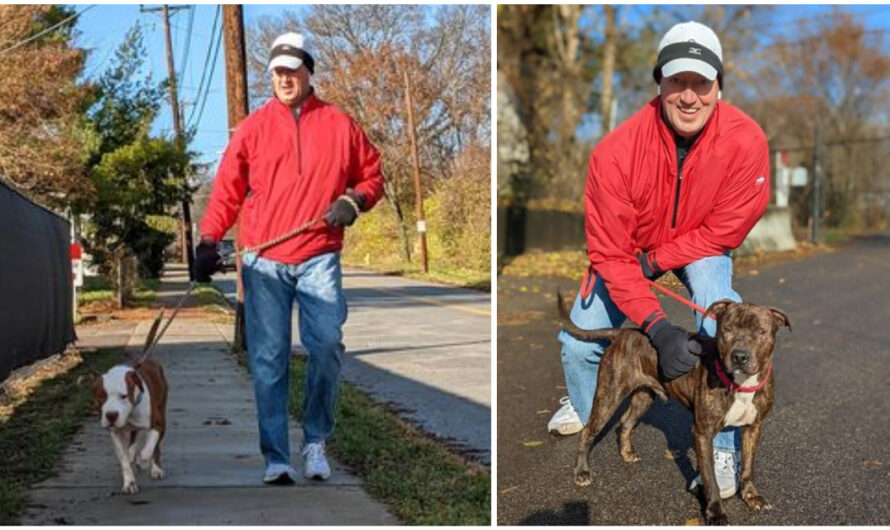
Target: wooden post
(418,195)
(236,97)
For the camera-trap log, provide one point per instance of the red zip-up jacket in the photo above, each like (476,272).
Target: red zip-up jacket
(286,171)
(632,204)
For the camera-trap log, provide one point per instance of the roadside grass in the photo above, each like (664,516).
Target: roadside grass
(421,480)
(468,279)
(98,289)
(32,437)
(209,297)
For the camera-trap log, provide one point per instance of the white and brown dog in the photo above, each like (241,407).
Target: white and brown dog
(133,401)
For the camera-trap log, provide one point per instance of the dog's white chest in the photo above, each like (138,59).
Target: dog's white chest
(742,411)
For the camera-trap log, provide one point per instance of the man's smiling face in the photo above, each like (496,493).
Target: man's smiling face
(688,100)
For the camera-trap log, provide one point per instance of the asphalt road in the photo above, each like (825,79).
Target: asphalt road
(824,458)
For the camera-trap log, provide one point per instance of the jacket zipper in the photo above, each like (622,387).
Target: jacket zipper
(677,196)
(296,115)
(680,161)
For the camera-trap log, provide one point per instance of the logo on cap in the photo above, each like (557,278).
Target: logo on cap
(695,51)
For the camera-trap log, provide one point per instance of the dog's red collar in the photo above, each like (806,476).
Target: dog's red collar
(727,382)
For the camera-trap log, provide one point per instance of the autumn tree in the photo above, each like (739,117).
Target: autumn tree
(550,61)
(44,141)
(833,74)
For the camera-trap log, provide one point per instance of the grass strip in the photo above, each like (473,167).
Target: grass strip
(40,428)
(98,289)
(421,480)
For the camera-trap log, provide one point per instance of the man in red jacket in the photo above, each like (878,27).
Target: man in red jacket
(675,188)
(293,160)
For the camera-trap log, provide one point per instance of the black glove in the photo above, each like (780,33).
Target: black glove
(207,261)
(647,263)
(677,353)
(344,211)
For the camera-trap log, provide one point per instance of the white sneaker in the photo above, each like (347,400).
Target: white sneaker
(565,421)
(280,474)
(315,463)
(726,471)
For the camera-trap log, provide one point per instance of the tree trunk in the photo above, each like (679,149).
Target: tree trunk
(608,70)
(400,220)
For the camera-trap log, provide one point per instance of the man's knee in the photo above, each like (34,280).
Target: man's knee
(577,351)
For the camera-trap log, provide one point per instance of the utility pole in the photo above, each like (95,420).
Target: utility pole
(185,221)
(418,196)
(817,170)
(236,97)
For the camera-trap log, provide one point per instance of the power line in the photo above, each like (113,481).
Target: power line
(188,42)
(47,30)
(209,79)
(206,59)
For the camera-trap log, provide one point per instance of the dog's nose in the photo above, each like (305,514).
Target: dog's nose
(111,416)
(740,357)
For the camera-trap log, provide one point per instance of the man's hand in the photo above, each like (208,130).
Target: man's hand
(648,265)
(677,353)
(345,210)
(207,261)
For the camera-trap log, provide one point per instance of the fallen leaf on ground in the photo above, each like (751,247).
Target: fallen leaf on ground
(533,443)
(561,387)
(670,455)
(523,289)
(872,463)
(508,490)
(692,522)
(753,272)
(543,411)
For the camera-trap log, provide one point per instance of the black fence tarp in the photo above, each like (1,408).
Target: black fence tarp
(36,318)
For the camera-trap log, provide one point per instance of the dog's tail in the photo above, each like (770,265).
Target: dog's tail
(587,335)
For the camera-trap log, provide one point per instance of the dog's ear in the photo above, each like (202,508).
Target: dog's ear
(133,382)
(717,308)
(99,393)
(781,318)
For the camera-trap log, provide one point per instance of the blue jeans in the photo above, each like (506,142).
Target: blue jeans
(707,280)
(270,289)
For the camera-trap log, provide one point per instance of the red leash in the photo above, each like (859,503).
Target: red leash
(680,299)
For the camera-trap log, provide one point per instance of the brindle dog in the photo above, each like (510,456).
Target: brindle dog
(742,349)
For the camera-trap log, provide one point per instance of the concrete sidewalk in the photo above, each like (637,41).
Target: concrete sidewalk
(210,454)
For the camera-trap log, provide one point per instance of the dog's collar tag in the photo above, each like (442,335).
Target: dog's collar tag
(728,383)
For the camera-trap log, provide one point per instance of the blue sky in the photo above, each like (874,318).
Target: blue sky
(103,27)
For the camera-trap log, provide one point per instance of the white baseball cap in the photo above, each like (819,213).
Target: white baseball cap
(689,47)
(289,51)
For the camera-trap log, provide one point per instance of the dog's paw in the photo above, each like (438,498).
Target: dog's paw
(715,516)
(630,456)
(156,472)
(142,463)
(130,488)
(582,478)
(758,503)
(717,520)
